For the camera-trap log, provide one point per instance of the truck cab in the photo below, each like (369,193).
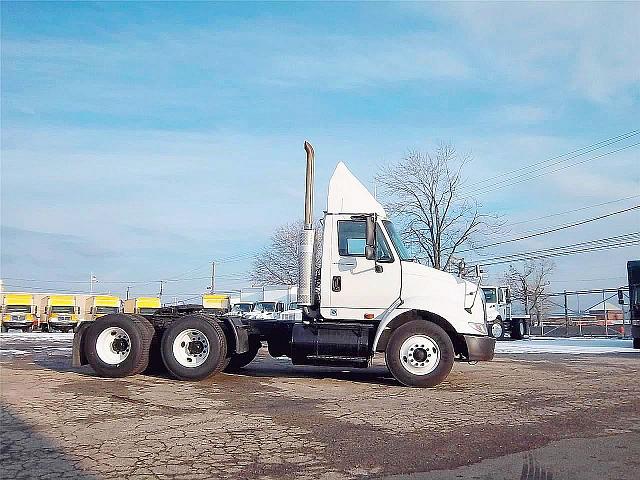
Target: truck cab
(98,305)
(241,309)
(633,274)
(18,311)
(142,305)
(59,312)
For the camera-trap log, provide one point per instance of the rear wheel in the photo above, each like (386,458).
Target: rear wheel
(27,329)
(44,327)
(636,343)
(419,354)
(194,347)
(517,329)
(240,360)
(117,346)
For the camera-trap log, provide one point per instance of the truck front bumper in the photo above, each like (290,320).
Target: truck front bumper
(17,323)
(479,349)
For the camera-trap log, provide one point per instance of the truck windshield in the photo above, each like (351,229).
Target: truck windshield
(101,309)
(401,250)
(243,307)
(18,308)
(490,295)
(62,309)
(265,306)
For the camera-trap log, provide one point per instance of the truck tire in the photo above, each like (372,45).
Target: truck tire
(636,343)
(496,329)
(117,346)
(27,329)
(239,360)
(517,329)
(419,354)
(3,329)
(44,327)
(155,365)
(194,347)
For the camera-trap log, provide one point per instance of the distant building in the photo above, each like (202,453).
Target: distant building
(606,310)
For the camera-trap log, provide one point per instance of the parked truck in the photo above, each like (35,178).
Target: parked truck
(142,305)
(18,311)
(97,306)
(373,298)
(633,273)
(59,312)
(500,321)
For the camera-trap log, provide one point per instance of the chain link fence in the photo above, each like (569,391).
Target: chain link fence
(585,313)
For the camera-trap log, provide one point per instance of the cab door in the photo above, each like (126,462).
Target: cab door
(361,289)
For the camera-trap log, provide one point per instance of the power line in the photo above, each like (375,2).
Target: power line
(564,250)
(572,154)
(552,230)
(520,222)
(509,181)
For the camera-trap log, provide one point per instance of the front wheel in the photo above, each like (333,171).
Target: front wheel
(419,354)
(194,347)
(496,329)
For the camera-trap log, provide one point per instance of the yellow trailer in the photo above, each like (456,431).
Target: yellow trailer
(142,305)
(99,305)
(18,311)
(215,303)
(59,312)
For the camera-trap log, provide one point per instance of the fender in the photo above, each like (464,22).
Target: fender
(425,304)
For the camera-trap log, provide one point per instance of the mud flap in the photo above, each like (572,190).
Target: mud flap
(79,357)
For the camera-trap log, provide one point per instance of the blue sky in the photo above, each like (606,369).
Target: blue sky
(142,140)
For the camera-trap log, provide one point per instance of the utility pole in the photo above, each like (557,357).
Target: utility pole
(161,288)
(128,292)
(566,316)
(92,280)
(213,276)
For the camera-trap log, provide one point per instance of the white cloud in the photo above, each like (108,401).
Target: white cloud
(588,49)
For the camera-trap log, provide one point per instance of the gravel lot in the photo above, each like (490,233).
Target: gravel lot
(529,414)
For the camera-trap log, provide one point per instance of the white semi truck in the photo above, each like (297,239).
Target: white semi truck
(373,299)
(500,320)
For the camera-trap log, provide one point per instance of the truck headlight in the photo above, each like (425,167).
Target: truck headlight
(479,327)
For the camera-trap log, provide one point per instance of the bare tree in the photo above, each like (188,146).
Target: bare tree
(425,193)
(529,286)
(277,264)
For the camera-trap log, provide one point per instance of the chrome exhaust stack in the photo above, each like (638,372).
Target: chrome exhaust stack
(306,267)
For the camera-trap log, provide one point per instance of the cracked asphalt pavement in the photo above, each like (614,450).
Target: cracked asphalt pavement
(533,416)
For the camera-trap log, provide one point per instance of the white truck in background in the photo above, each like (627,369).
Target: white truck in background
(501,323)
(373,298)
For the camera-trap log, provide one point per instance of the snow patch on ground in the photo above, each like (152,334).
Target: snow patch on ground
(37,336)
(572,346)
(13,352)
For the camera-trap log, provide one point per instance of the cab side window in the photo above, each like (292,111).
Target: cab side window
(352,240)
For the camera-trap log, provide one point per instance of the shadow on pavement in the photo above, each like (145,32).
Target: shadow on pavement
(26,454)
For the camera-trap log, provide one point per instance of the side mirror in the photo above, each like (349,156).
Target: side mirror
(370,248)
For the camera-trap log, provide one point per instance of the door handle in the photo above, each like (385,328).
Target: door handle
(336,283)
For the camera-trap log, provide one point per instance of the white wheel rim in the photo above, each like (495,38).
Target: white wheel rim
(419,355)
(521,324)
(191,348)
(496,330)
(113,345)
